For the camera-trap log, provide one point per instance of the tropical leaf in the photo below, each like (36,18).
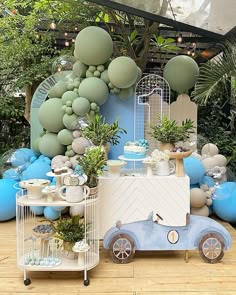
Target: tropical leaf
(212,73)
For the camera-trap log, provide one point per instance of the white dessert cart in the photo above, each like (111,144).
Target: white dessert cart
(43,252)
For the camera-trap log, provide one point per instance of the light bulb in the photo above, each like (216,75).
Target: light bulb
(193,53)
(67,44)
(188,52)
(65,33)
(73,40)
(180,38)
(53,25)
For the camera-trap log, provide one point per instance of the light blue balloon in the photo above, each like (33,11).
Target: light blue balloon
(51,214)
(224,201)
(7,199)
(37,170)
(37,210)
(194,169)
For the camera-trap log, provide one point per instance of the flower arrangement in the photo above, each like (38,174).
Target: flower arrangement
(158,156)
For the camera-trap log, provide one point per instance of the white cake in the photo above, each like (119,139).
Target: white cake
(132,150)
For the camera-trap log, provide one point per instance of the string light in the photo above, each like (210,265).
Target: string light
(180,38)
(189,52)
(76,28)
(67,43)
(73,40)
(65,33)
(53,25)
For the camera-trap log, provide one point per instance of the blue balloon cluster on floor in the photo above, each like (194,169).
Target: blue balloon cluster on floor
(7,199)
(224,201)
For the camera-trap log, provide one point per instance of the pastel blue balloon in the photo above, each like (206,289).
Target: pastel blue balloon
(194,169)
(37,170)
(12,174)
(58,208)
(51,214)
(7,199)
(208,180)
(224,201)
(37,210)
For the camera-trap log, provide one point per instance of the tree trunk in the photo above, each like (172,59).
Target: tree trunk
(28,99)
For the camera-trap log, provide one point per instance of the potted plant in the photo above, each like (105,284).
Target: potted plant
(70,231)
(168,131)
(92,163)
(100,133)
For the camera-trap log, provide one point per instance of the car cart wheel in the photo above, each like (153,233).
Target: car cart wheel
(86,282)
(27,282)
(211,248)
(122,248)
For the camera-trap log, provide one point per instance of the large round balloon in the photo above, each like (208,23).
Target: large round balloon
(123,72)
(37,170)
(51,115)
(194,169)
(94,89)
(181,72)
(81,106)
(49,145)
(7,199)
(65,137)
(93,46)
(224,201)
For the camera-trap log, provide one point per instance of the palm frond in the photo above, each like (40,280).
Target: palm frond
(215,72)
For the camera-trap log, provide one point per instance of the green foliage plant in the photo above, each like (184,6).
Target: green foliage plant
(92,164)
(99,132)
(69,229)
(168,131)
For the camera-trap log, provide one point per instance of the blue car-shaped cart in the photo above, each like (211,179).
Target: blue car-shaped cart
(202,233)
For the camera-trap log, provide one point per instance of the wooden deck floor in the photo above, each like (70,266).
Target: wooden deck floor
(149,274)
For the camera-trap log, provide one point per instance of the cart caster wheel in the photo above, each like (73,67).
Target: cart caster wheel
(86,282)
(27,282)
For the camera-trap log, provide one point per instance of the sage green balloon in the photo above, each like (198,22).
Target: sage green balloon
(70,121)
(49,145)
(68,95)
(65,137)
(58,89)
(181,72)
(124,94)
(104,76)
(93,46)
(122,72)
(94,89)
(79,69)
(51,115)
(81,106)
(35,145)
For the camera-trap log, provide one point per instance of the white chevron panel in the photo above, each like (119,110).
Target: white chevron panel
(133,198)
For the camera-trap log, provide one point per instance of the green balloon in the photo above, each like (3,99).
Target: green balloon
(58,89)
(51,115)
(65,137)
(124,94)
(94,89)
(93,46)
(181,72)
(49,145)
(35,145)
(81,106)
(70,121)
(122,72)
(104,76)
(68,95)
(79,69)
